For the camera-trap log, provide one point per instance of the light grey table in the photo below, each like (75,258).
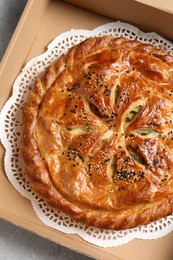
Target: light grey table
(16,243)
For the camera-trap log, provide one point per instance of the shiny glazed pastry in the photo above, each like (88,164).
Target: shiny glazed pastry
(97,138)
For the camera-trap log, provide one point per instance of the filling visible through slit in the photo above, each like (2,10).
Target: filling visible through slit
(116,96)
(136,155)
(80,130)
(146,132)
(113,168)
(130,116)
(95,110)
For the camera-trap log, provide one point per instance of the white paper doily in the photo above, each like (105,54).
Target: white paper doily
(10,132)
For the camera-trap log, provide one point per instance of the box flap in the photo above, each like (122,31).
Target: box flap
(148,15)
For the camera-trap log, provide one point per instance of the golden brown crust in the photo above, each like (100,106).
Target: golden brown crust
(97,133)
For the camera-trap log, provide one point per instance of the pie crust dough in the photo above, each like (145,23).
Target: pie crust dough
(97,139)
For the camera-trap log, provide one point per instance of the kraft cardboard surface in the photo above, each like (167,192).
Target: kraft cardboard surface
(146,14)
(41,22)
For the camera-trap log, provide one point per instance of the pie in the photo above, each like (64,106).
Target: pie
(97,141)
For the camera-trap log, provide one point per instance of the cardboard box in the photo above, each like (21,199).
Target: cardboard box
(41,22)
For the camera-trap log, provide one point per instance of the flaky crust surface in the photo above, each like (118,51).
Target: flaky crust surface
(97,138)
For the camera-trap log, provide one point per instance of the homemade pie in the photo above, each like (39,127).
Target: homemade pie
(97,138)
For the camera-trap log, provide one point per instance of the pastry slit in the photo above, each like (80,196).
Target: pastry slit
(147,132)
(116,96)
(113,168)
(136,155)
(80,130)
(131,115)
(95,110)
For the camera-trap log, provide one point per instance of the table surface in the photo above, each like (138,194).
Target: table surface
(16,243)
